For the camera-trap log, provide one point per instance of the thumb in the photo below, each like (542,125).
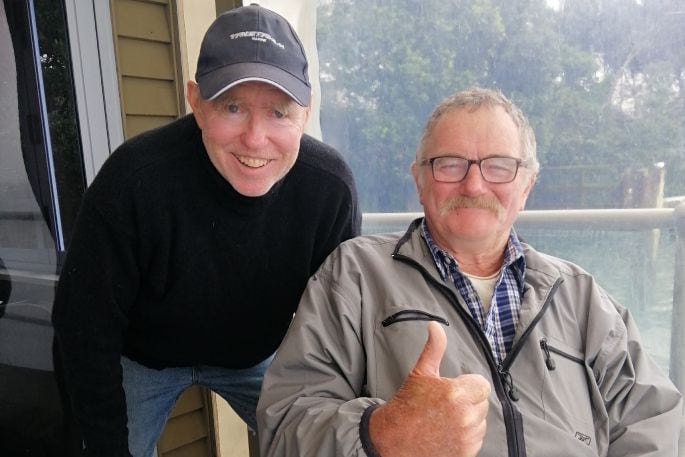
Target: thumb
(431,356)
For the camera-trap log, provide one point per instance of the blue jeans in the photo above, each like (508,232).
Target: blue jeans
(151,394)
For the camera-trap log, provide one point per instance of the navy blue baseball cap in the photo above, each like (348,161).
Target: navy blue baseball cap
(252,43)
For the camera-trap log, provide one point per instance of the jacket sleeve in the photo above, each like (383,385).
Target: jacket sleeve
(643,406)
(312,398)
(96,286)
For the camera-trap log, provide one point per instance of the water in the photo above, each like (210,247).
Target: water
(622,264)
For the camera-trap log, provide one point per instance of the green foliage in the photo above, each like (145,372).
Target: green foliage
(600,80)
(61,111)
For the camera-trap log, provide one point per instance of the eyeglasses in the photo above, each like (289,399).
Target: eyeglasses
(497,170)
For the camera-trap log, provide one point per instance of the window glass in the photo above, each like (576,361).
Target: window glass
(65,147)
(25,218)
(601,81)
(41,183)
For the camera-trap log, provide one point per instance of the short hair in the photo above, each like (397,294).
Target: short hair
(475,97)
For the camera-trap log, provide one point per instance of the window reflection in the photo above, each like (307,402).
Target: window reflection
(41,183)
(27,244)
(65,147)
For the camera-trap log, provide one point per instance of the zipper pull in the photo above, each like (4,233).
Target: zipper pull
(549,361)
(509,384)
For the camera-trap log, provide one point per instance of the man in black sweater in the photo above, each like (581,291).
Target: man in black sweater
(195,241)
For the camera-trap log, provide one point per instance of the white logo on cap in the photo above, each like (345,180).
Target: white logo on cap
(256,36)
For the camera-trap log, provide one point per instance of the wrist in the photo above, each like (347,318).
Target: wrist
(365,433)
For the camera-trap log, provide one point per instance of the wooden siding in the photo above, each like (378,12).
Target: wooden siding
(225,5)
(146,47)
(189,430)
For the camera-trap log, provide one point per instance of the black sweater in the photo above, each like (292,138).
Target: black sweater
(170,266)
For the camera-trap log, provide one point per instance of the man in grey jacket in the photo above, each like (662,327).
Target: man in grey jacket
(526,353)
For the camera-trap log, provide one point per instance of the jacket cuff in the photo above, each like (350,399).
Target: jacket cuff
(364,435)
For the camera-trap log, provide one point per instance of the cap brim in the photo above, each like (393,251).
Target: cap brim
(217,82)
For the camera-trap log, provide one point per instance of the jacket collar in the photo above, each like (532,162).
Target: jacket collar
(542,271)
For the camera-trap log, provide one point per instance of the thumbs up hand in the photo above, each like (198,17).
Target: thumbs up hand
(430,415)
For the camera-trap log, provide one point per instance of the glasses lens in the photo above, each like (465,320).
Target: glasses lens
(499,169)
(450,169)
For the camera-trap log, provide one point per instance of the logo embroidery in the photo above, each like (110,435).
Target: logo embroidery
(256,36)
(584,438)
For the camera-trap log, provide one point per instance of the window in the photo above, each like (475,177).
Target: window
(42,179)
(600,81)
(41,170)
(42,166)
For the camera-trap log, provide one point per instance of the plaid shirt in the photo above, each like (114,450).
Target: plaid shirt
(499,324)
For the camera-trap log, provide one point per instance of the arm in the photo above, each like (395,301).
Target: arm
(309,404)
(643,406)
(313,401)
(431,415)
(97,283)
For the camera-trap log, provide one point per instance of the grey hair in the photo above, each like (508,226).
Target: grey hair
(474,98)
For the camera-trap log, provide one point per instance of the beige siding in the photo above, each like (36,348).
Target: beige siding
(225,5)
(136,56)
(151,97)
(138,124)
(189,429)
(146,49)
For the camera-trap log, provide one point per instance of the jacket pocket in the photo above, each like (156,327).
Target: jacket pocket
(549,351)
(566,393)
(412,315)
(399,338)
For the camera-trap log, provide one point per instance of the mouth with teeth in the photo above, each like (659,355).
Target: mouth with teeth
(252,162)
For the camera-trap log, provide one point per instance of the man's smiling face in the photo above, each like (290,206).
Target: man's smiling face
(251,132)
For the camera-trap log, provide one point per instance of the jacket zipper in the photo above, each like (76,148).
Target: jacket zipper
(549,361)
(519,344)
(509,360)
(504,386)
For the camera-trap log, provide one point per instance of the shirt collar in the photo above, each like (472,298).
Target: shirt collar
(513,255)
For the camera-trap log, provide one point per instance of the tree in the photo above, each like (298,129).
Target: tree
(600,80)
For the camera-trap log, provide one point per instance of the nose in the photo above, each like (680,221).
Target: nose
(256,132)
(473,183)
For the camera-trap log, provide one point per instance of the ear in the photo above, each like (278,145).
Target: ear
(194,100)
(528,186)
(415,173)
(192,94)
(307,112)
(418,180)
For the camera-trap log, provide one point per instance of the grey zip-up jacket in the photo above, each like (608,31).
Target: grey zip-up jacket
(577,381)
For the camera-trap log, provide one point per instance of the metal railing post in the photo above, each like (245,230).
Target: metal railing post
(677,366)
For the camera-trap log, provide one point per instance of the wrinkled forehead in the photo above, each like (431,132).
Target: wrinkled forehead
(466,131)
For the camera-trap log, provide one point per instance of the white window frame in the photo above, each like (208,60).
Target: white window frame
(96,83)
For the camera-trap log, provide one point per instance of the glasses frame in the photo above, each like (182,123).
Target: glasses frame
(519,163)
